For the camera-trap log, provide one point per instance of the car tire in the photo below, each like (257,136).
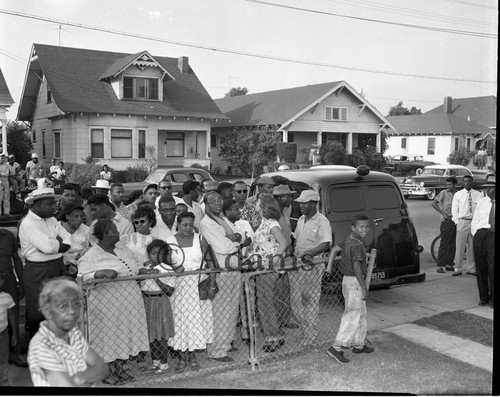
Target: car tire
(431,194)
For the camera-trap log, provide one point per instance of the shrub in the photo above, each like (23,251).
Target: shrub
(85,175)
(90,160)
(287,151)
(462,156)
(333,153)
(374,159)
(135,173)
(356,159)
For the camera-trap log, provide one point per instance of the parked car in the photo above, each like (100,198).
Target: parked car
(406,163)
(433,179)
(175,175)
(345,193)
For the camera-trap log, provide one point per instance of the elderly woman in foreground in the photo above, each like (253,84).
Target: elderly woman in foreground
(117,319)
(58,354)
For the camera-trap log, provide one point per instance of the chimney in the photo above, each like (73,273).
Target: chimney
(183,63)
(448,104)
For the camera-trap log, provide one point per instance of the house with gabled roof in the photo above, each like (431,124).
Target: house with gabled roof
(481,110)
(5,102)
(433,135)
(311,115)
(112,105)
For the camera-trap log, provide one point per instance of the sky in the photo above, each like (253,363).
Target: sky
(266,45)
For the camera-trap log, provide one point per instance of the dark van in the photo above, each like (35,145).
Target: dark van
(346,192)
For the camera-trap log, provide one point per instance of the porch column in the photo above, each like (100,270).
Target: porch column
(319,138)
(285,135)
(4,135)
(378,143)
(207,146)
(349,143)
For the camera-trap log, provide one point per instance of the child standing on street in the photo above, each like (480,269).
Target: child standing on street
(352,330)
(158,310)
(6,318)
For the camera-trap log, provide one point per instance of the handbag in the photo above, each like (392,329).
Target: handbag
(205,285)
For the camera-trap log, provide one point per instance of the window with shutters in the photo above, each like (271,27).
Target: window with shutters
(335,114)
(142,144)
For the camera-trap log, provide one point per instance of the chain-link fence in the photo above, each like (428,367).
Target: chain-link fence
(152,329)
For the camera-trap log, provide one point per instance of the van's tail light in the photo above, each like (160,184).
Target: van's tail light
(420,249)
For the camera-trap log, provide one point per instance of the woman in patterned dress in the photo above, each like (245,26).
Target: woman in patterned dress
(269,244)
(144,219)
(117,319)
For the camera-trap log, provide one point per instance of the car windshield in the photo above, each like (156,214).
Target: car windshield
(418,158)
(156,176)
(434,171)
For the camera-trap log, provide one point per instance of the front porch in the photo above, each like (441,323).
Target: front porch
(183,148)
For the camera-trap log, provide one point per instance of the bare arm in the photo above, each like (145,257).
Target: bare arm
(96,370)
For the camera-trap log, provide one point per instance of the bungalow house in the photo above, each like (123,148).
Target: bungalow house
(481,110)
(433,134)
(309,115)
(112,106)
(5,102)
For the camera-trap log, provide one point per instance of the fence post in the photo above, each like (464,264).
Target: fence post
(252,323)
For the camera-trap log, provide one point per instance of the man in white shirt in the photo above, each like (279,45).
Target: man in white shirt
(43,242)
(462,210)
(34,170)
(14,177)
(101,208)
(191,190)
(313,236)
(165,190)
(483,230)
(225,244)
(116,192)
(166,223)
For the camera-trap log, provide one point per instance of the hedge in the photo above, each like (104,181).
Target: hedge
(287,151)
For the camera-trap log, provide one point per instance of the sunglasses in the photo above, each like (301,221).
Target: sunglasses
(241,191)
(166,187)
(140,221)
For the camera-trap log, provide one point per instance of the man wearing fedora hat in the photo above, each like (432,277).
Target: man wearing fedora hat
(313,236)
(483,230)
(43,242)
(4,185)
(284,197)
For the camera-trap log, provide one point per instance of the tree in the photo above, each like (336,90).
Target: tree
(333,153)
(400,110)
(249,148)
(235,91)
(19,142)
(461,156)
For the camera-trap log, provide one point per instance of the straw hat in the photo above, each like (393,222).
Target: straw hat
(101,184)
(282,190)
(38,194)
(307,195)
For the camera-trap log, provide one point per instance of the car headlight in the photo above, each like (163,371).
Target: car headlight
(422,184)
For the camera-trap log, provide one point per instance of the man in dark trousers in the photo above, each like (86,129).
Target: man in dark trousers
(43,241)
(483,230)
(448,229)
(11,271)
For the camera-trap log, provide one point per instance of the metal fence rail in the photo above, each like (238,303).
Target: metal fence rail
(256,318)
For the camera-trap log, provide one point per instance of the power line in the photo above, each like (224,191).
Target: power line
(242,53)
(407,25)
(14,57)
(414,13)
(473,4)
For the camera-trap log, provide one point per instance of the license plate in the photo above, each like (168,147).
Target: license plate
(378,275)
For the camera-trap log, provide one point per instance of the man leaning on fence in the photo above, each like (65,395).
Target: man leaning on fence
(225,244)
(313,236)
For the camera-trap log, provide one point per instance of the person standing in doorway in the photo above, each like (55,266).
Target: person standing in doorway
(462,209)
(448,229)
(4,185)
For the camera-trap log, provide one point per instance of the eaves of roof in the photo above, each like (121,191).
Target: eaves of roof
(5,97)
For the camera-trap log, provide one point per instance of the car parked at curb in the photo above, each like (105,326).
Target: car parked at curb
(175,175)
(433,179)
(347,192)
(406,163)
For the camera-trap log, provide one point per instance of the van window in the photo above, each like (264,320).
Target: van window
(346,199)
(383,197)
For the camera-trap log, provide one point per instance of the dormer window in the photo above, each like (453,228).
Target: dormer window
(140,88)
(335,114)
